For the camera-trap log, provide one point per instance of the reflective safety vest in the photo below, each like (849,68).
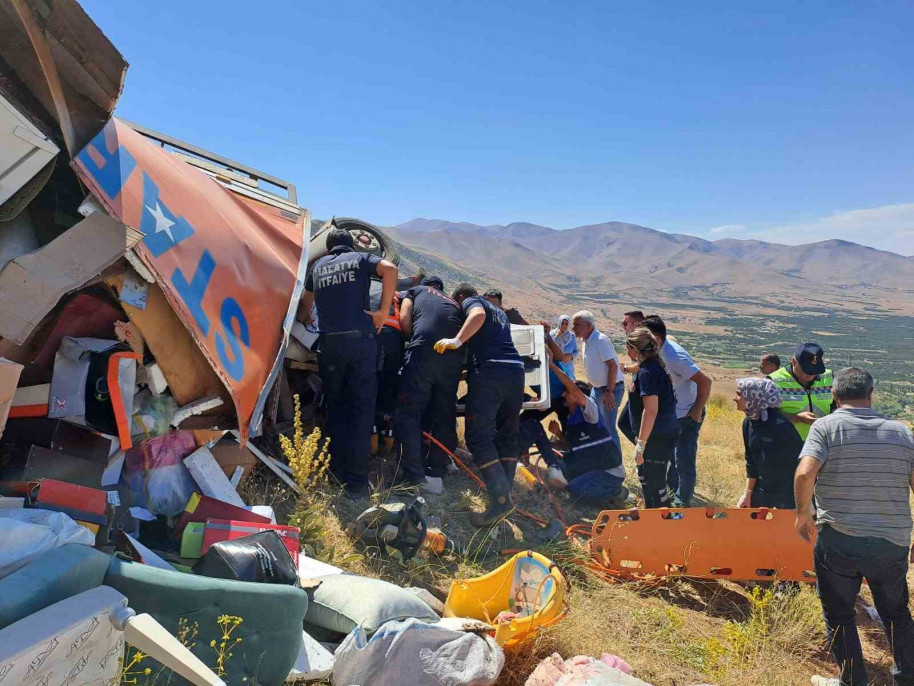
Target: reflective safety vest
(795,399)
(393,316)
(590,446)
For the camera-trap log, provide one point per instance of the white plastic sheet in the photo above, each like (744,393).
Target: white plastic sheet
(26,534)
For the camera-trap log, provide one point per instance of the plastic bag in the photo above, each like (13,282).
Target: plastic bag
(260,557)
(152,414)
(582,670)
(419,654)
(26,534)
(156,475)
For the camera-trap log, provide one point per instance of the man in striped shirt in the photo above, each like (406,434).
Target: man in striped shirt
(860,467)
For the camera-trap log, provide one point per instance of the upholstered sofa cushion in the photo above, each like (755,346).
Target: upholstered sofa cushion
(48,579)
(271,614)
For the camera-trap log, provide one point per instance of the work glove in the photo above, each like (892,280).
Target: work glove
(447,344)
(639,452)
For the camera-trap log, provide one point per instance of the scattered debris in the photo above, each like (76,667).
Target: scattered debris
(413,652)
(529,586)
(582,670)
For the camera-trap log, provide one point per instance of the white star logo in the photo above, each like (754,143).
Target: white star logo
(163,223)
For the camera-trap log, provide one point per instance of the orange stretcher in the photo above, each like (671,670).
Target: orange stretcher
(710,543)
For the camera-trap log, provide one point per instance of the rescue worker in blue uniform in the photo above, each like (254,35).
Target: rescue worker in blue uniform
(494,400)
(338,285)
(591,469)
(428,381)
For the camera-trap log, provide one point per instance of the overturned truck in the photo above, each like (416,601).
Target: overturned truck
(111,231)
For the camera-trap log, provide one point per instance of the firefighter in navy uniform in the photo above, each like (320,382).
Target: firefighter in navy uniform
(495,398)
(338,284)
(428,381)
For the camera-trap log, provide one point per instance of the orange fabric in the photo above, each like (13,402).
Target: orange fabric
(228,264)
(20,411)
(117,401)
(732,543)
(393,320)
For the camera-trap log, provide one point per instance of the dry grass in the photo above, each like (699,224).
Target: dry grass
(676,633)
(688,632)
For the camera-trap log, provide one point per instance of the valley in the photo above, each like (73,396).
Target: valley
(728,301)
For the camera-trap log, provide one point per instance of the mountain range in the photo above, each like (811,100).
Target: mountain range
(630,262)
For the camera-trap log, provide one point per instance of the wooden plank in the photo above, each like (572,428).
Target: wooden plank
(269,462)
(189,374)
(31,285)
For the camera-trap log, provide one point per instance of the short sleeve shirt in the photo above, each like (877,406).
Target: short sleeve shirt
(590,411)
(681,368)
(341,282)
(435,316)
(598,350)
(652,379)
(492,343)
(863,486)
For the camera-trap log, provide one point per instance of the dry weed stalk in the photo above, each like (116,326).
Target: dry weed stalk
(307,457)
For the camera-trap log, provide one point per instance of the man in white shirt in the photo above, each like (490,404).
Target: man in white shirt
(601,365)
(692,388)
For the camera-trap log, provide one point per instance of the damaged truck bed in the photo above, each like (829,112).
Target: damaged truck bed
(196,252)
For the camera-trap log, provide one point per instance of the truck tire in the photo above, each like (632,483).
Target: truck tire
(368,238)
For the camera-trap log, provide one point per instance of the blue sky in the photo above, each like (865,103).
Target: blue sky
(789,121)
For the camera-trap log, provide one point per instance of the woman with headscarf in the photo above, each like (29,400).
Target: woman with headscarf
(568,342)
(772,445)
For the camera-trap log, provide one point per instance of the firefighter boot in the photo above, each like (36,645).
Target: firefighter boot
(387,437)
(374,440)
(499,490)
(509,464)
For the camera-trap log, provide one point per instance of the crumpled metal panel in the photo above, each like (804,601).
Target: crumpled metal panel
(64,62)
(231,267)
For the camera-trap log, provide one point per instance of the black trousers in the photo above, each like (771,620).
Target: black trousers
(532,433)
(427,399)
(774,489)
(391,343)
(494,402)
(348,366)
(658,452)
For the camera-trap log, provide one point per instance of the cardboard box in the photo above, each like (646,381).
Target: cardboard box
(9,378)
(192,541)
(230,455)
(31,401)
(201,508)
(186,370)
(217,530)
(42,463)
(86,506)
(32,284)
(60,436)
(92,501)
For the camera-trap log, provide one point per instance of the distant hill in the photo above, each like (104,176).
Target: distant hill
(618,257)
